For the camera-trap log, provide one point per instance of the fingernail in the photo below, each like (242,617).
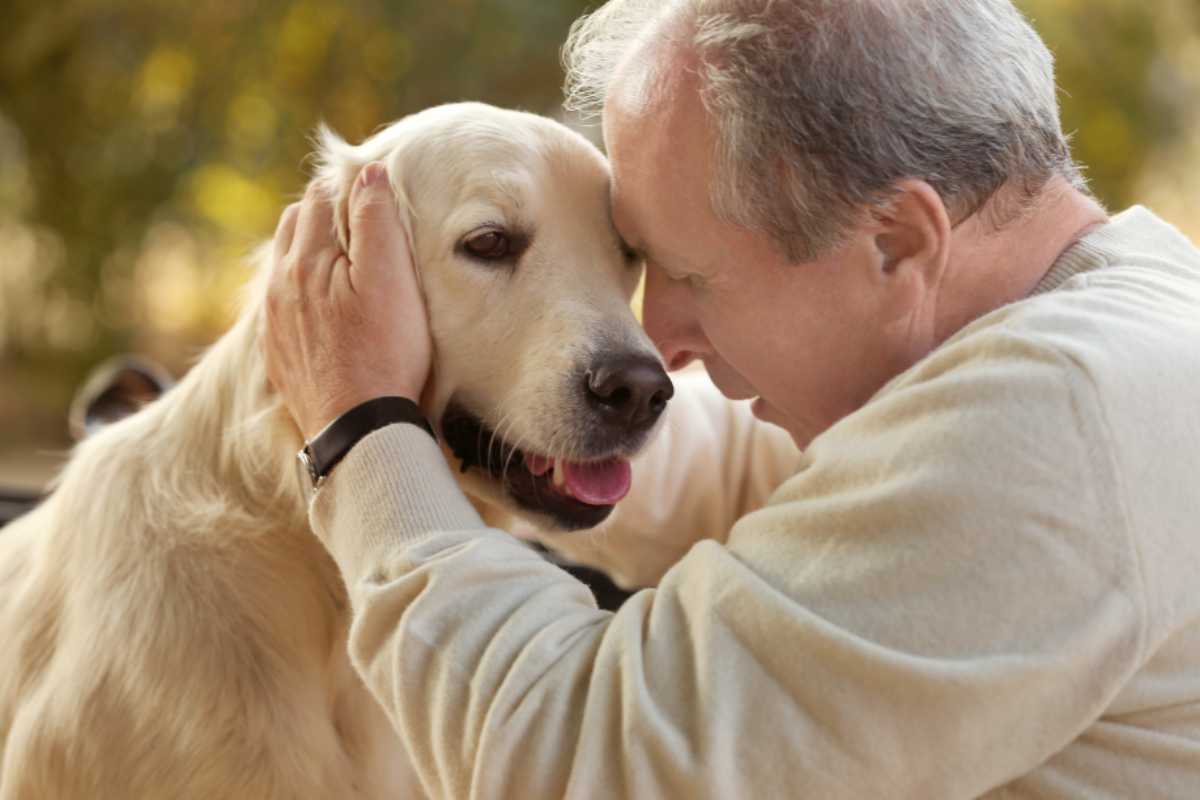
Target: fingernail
(373,174)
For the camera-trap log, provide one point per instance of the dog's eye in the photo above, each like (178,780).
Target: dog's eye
(489,246)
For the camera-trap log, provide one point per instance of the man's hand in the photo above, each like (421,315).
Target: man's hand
(341,328)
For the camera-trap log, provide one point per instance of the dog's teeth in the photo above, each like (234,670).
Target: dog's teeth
(560,477)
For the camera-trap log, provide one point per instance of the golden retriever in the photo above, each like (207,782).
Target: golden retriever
(169,626)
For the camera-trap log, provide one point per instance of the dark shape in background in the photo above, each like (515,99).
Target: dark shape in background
(146,145)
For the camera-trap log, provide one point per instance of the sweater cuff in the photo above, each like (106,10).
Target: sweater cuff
(391,490)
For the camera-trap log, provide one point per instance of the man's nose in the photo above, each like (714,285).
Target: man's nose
(668,321)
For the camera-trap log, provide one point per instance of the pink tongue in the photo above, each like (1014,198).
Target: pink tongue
(602,484)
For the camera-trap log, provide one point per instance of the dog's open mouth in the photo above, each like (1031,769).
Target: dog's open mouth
(575,494)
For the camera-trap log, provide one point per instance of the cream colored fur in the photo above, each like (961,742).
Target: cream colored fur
(169,627)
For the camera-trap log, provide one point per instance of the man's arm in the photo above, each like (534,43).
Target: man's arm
(943,597)
(712,464)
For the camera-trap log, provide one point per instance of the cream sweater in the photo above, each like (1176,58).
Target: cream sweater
(986,582)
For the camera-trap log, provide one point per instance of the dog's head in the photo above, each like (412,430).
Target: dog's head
(543,384)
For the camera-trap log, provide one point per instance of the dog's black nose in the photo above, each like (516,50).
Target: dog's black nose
(631,390)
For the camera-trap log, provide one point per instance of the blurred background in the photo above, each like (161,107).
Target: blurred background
(147,145)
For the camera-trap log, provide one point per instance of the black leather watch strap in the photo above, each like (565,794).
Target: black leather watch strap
(330,446)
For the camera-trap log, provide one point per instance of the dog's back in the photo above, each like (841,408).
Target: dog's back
(170,626)
(172,630)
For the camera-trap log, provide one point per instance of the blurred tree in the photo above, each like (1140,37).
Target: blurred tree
(142,139)
(145,145)
(1128,89)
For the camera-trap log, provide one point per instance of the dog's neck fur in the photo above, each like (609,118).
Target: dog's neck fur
(241,430)
(230,444)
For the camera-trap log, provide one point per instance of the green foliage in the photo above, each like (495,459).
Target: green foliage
(1125,89)
(145,145)
(129,114)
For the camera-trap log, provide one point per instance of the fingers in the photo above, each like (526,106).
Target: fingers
(377,236)
(339,266)
(286,231)
(314,228)
(305,249)
(271,326)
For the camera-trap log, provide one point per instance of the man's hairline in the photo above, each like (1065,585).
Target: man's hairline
(662,81)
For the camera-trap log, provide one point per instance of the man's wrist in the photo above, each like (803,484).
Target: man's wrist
(319,416)
(326,449)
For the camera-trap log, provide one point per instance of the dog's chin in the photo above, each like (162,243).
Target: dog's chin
(507,472)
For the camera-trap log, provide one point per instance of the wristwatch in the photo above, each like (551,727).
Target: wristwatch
(323,452)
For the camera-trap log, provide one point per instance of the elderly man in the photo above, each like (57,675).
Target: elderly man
(980,577)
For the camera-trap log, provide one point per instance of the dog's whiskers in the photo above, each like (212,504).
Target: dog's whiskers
(504,419)
(514,448)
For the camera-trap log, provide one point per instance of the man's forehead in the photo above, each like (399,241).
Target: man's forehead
(639,223)
(671,145)
(635,145)
(619,218)
(650,81)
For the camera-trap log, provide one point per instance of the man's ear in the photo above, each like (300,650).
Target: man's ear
(911,239)
(914,231)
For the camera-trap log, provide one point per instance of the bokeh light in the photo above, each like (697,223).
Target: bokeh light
(146,146)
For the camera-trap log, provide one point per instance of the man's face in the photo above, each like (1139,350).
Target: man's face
(811,341)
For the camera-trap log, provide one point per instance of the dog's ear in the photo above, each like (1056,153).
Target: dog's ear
(338,166)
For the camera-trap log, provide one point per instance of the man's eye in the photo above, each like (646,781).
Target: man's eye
(489,246)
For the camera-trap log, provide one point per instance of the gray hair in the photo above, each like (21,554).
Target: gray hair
(821,106)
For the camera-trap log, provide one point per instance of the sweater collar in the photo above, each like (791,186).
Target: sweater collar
(1094,251)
